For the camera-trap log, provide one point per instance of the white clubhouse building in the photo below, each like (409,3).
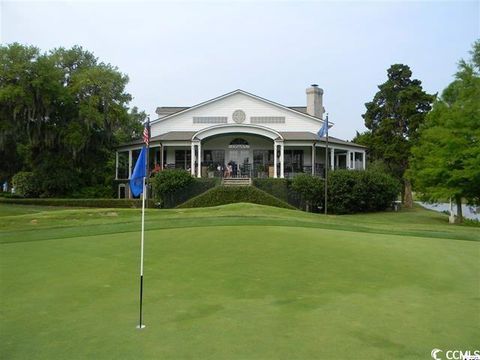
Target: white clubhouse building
(242,132)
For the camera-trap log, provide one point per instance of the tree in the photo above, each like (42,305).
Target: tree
(61,115)
(446,161)
(393,118)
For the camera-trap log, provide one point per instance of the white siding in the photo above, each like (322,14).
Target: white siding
(226,106)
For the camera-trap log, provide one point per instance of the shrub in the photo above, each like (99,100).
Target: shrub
(351,191)
(26,184)
(381,190)
(311,189)
(169,181)
(222,195)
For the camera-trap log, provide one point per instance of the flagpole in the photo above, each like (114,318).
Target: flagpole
(326,167)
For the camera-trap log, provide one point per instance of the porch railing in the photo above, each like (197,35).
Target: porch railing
(255,171)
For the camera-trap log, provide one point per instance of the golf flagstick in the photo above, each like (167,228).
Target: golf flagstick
(140,323)
(146,139)
(326,167)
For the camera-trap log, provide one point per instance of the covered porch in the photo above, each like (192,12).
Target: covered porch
(242,153)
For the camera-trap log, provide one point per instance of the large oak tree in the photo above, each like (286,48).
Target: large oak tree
(61,115)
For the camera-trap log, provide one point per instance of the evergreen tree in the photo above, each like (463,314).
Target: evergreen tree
(393,118)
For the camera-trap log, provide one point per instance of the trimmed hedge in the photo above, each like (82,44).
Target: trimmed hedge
(222,195)
(9,195)
(97,203)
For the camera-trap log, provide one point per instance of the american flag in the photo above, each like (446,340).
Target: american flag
(146,133)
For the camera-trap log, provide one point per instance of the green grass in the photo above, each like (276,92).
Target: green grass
(240,281)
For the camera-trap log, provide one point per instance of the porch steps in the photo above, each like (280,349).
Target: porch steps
(237,182)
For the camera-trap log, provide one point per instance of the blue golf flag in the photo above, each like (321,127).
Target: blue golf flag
(323,130)
(139,172)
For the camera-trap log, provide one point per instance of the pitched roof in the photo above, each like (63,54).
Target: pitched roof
(162,111)
(341,142)
(173,110)
(302,109)
(169,136)
(287,135)
(306,135)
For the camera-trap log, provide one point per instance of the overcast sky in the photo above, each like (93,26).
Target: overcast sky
(182,53)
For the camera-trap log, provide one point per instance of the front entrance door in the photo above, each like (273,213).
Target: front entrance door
(239,157)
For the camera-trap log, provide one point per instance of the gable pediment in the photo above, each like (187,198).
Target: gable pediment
(237,107)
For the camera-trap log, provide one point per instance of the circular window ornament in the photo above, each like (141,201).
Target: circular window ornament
(239,116)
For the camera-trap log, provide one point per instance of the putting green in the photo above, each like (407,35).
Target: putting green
(236,282)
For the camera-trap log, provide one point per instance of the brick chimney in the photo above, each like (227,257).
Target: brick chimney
(315,101)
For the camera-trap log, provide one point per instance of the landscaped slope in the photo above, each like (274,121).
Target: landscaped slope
(222,195)
(241,281)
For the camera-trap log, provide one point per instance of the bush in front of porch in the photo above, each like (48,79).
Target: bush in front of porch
(349,191)
(354,191)
(311,190)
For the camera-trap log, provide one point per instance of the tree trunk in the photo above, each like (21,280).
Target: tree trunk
(407,196)
(458,200)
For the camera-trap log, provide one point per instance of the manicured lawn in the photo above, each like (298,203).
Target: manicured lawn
(236,282)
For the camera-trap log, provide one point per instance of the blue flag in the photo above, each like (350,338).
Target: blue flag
(139,172)
(323,130)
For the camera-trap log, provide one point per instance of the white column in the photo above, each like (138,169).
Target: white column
(199,160)
(129,163)
(348,159)
(275,159)
(116,165)
(162,160)
(364,160)
(313,159)
(192,159)
(332,158)
(281,160)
